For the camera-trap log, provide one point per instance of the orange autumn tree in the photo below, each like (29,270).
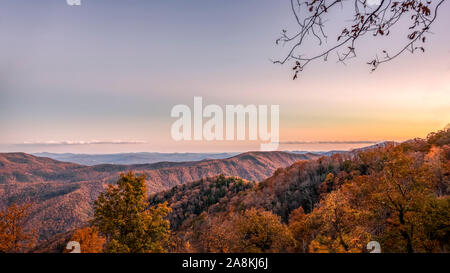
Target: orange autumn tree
(302,227)
(89,239)
(249,231)
(260,231)
(14,238)
(337,224)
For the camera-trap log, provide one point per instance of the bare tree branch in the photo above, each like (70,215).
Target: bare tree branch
(377,20)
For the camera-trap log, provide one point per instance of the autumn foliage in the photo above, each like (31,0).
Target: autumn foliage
(14,238)
(395,194)
(89,239)
(254,230)
(401,200)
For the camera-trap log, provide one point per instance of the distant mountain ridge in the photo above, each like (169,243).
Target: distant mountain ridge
(63,193)
(132,158)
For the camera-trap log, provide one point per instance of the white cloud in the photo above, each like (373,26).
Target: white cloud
(71,142)
(330,142)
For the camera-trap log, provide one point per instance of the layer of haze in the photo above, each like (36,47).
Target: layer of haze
(111,71)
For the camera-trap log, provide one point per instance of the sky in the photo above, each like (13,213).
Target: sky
(103,77)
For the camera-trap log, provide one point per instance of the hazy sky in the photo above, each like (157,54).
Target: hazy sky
(111,71)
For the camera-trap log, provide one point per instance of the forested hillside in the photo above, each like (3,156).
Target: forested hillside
(396,194)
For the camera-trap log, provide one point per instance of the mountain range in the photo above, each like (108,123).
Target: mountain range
(132,158)
(62,193)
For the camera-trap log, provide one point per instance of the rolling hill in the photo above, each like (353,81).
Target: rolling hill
(62,193)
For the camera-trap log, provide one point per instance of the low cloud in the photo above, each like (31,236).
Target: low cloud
(73,143)
(330,142)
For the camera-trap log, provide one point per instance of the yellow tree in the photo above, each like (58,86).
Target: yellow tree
(123,216)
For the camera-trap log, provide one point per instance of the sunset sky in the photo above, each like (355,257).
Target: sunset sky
(104,76)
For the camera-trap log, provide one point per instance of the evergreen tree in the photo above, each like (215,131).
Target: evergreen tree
(123,216)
